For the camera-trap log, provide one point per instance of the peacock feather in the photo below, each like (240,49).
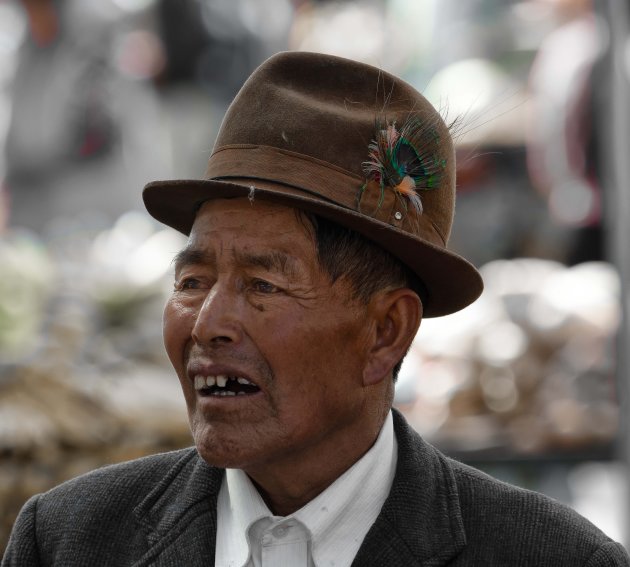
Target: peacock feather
(404,161)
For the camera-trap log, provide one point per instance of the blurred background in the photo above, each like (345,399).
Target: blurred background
(97,98)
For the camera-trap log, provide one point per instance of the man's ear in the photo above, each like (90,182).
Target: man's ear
(397,315)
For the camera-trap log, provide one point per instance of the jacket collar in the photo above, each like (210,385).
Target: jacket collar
(420,522)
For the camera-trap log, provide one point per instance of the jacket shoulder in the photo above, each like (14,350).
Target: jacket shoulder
(529,525)
(445,509)
(116,486)
(95,515)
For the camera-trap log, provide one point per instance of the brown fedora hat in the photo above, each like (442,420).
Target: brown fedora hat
(346,141)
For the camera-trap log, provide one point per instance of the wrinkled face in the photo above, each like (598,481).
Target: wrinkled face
(270,355)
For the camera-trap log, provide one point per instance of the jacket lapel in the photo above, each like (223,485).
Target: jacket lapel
(179,516)
(420,523)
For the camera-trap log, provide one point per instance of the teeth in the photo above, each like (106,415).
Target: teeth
(220,381)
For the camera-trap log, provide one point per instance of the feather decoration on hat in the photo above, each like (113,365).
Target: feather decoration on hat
(404,161)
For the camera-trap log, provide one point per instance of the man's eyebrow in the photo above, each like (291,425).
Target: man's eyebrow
(273,261)
(191,257)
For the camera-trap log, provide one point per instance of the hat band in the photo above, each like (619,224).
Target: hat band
(273,165)
(290,168)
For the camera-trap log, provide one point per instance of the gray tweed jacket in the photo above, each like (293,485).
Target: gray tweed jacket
(161,511)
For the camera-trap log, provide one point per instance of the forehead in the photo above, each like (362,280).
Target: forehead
(257,224)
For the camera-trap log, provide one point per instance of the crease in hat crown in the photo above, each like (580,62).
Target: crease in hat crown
(299,132)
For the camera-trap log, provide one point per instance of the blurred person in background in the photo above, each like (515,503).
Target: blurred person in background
(317,243)
(80,123)
(562,150)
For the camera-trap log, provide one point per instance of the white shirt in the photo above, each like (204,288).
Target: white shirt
(326,532)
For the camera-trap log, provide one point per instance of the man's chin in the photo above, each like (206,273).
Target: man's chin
(222,453)
(219,461)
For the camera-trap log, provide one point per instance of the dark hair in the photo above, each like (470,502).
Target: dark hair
(342,252)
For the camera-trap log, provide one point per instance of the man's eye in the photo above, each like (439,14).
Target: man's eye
(187,283)
(263,286)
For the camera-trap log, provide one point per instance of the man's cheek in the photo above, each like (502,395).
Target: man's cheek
(177,327)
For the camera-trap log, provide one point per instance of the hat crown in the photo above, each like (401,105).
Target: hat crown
(330,109)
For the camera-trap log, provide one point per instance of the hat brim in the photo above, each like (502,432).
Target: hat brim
(452,282)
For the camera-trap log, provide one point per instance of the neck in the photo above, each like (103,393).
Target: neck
(289,486)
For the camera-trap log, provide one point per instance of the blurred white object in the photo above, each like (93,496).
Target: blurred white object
(599,491)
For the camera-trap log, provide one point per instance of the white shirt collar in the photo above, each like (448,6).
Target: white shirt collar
(338,518)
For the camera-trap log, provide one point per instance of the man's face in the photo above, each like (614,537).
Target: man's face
(253,313)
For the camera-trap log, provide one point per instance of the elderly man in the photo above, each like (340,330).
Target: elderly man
(317,244)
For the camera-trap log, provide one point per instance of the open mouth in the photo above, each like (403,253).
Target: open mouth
(222,385)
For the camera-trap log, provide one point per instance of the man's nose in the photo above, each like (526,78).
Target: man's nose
(218,319)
